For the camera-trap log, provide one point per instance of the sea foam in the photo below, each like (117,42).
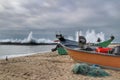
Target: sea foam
(29,39)
(91,36)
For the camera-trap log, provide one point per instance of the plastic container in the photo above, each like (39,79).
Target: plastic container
(103,50)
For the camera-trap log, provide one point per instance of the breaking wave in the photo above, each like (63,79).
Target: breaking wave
(91,36)
(29,39)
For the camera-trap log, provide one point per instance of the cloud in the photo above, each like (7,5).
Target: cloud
(44,14)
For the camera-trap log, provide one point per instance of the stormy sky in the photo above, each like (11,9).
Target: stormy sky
(60,15)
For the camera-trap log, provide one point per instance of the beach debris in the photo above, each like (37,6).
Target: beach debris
(85,69)
(6,58)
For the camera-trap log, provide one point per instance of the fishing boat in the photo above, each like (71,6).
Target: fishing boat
(78,52)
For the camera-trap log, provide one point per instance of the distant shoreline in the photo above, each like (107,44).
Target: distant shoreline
(33,43)
(10,43)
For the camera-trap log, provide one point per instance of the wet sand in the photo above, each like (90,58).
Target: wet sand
(47,66)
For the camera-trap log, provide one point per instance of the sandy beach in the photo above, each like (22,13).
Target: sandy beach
(47,66)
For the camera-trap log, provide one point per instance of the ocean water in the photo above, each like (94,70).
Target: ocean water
(21,36)
(22,50)
(91,36)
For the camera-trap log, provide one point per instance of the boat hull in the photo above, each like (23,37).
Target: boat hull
(95,58)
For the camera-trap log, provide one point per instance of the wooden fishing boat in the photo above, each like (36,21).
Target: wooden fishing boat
(91,57)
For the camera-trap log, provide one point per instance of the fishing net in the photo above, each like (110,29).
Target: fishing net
(85,69)
(97,72)
(76,68)
(81,69)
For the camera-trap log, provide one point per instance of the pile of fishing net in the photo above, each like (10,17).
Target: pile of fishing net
(85,69)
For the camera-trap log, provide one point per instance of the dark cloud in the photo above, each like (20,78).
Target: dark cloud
(60,14)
